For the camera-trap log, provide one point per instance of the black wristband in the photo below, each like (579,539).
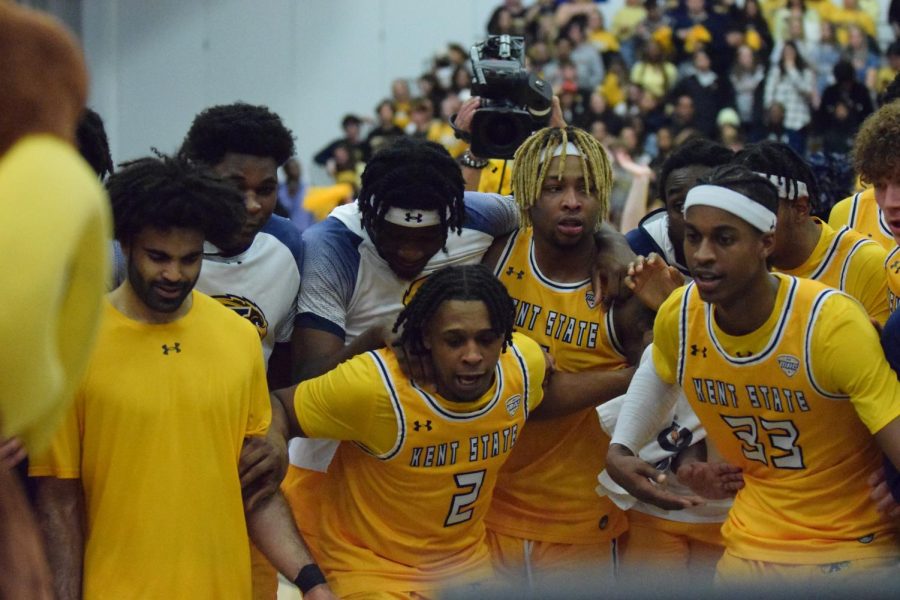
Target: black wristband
(309,577)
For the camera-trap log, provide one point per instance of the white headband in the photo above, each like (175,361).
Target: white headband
(571,150)
(788,189)
(412,217)
(733,202)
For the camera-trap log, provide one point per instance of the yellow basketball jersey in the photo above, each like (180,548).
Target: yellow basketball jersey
(804,451)
(860,212)
(412,518)
(892,269)
(546,490)
(848,261)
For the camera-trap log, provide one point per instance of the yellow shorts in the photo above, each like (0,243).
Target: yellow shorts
(519,561)
(732,570)
(692,549)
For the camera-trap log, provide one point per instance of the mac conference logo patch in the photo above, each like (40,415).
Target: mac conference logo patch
(247,309)
(589,298)
(512,404)
(789,364)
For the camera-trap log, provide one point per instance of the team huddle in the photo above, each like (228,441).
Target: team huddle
(435,389)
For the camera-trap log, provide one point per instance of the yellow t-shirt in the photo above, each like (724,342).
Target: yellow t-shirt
(860,212)
(546,490)
(402,509)
(847,261)
(496,178)
(56,228)
(793,404)
(155,435)
(442,133)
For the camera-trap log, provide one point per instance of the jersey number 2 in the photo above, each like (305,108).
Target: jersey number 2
(461,504)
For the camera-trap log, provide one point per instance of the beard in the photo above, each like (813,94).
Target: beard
(149,291)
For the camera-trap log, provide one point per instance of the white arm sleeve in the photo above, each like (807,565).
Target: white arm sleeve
(647,406)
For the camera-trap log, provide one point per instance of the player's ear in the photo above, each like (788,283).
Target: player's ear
(767,244)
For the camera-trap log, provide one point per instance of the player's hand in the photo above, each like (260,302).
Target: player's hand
(417,366)
(628,164)
(643,481)
(610,268)
(652,280)
(549,368)
(881,494)
(263,465)
(12,452)
(713,481)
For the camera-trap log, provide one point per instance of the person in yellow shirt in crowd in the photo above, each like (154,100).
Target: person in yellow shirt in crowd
(546,523)
(401,509)
(140,493)
(763,361)
(807,247)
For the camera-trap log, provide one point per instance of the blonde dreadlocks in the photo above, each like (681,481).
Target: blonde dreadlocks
(530,170)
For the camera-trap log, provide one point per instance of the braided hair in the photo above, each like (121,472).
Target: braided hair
(465,282)
(240,128)
(776,158)
(413,174)
(533,162)
(168,192)
(93,145)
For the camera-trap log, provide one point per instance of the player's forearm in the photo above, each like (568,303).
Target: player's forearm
(271,527)
(59,506)
(568,393)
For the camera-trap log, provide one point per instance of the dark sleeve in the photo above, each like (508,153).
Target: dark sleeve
(642,243)
(325,153)
(890,343)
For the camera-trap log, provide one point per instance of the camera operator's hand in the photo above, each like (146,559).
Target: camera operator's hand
(463,119)
(556,114)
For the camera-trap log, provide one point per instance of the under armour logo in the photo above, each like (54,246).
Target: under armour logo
(695,350)
(176,348)
(413,217)
(895,266)
(518,274)
(417,426)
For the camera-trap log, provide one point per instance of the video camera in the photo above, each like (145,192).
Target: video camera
(514,102)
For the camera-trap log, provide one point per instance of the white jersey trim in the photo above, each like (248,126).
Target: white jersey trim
(807,358)
(464,416)
(398,410)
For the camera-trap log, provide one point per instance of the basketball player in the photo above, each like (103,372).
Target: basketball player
(762,360)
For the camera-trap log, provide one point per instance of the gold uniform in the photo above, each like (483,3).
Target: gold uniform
(860,212)
(545,492)
(846,260)
(402,505)
(794,404)
(155,436)
(892,270)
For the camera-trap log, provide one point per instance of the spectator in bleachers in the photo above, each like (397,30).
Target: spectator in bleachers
(797,9)
(824,55)
(709,92)
(746,78)
(606,42)
(538,55)
(755,28)
(683,114)
(584,54)
(894,17)
(440,130)
(846,96)
(653,72)
(791,83)
(773,126)
(651,112)
(402,101)
(624,25)
(430,88)
(694,27)
(865,61)
(598,110)
(351,124)
(461,83)
(849,14)
(421,118)
(795,35)
(385,132)
(889,70)
(508,18)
